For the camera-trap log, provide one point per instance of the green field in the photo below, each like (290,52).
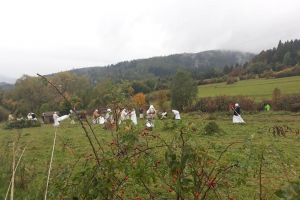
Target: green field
(281,161)
(258,89)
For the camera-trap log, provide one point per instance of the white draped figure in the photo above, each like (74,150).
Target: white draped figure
(123,115)
(55,118)
(133,117)
(176,114)
(151,112)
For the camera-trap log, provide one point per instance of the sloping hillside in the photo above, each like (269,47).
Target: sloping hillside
(165,65)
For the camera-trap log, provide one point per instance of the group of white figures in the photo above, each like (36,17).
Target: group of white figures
(131,114)
(31,116)
(125,114)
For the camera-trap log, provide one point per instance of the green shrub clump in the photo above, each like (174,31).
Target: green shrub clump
(22,123)
(212,128)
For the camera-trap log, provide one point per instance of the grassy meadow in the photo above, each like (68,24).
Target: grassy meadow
(281,162)
(253,145)
(258,89)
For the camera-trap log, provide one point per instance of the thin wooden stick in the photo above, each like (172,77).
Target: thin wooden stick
(50,165)
(13,175)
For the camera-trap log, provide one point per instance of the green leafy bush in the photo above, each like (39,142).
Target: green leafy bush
(212,128)
(22,123)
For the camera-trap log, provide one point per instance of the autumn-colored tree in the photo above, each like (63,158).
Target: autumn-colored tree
(140,99)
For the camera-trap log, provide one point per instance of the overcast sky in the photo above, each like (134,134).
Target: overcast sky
(49,36)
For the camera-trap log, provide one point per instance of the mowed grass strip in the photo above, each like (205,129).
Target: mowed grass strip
(258,89)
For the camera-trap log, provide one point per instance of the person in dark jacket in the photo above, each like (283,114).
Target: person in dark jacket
(237,114)
(141,111)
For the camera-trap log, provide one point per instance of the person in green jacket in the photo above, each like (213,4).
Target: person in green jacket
(267,107)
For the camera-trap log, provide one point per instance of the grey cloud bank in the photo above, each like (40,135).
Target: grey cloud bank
(51,36)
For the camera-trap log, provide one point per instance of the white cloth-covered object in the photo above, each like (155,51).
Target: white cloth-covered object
(237,119)
(95,121)
(176,114)
(63,117)
(101,120)
(149,124)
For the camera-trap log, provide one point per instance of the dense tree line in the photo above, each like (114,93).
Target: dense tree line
(278,62)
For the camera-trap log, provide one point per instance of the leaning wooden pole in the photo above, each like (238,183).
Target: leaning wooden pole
(50,165)
(13,175)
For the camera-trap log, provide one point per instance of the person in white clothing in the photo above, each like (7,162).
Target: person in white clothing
(176,114)
(123,115)
(151,112)
(133,117)
(55,118)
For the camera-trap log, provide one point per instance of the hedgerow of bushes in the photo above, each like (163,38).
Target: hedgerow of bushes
(288,102)
(221,103)
(22,123)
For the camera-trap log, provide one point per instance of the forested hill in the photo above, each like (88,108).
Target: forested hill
(165,65)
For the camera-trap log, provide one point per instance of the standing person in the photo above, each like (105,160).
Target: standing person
(108,120)
(55,118)
(108,116)
(10,117)
(95,116)
(133,117)
(176,114)
(72,120)
(123,115)
(141,111)
(237,114)
(43,117)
